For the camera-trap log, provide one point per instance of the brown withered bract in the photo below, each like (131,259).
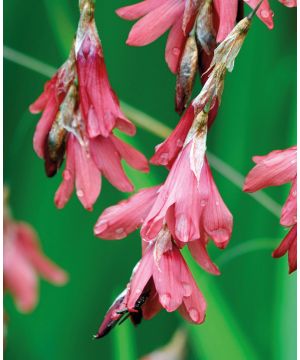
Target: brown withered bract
(205,32)
(187,72)
(56,141)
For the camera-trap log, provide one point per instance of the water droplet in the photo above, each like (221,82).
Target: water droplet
(203,203)
(194,314)
(67,175)
(120,232)
(179,143)
(294,193)
(176,51)
(217,203)
(165,299)
(187,289)
(80,193)
(265,14)
(138,291)
(164,158)
(293,161)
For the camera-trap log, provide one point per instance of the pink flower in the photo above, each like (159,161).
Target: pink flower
(100,105)
(49,102)
(190,206)
(80,111)
(87,160)
(23,261)
(160,280)
(155,17)
(277,168)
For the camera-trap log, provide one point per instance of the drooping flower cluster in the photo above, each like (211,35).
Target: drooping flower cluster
(196,26)
(80,112)
(24,261)
(186,210)
(277,168)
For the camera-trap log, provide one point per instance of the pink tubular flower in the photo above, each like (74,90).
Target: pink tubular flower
(160,280)
(100,105)
(277,168)
(23,261)
(80,111)
(155,17)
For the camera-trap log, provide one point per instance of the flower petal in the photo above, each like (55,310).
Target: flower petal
(155,23)
(116,222)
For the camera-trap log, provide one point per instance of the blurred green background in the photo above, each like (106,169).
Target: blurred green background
(252,305)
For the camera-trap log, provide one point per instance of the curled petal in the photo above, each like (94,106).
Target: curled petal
(289,244)
(133,157)
(66,188)
(167,279)
(217,219)
(175,45)
(108,161)
(276,168)
(141,276)
(155,23)
(289,210)
(136,11)
(167,152)
(87,176)
(198,250)
(227,11)
(116,222)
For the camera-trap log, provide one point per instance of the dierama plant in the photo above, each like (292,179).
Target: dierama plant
(81,111)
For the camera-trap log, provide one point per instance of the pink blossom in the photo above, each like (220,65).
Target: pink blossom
(80,112)
(87,160)
(161,279)
(49,102)
(155,17)
(190,206)
(23,262)
(277,168)
(99,104)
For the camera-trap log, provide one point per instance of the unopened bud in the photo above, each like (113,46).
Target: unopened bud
(55,146)
(205,32)
(187,73)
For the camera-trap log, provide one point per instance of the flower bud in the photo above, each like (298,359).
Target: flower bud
(205,32)
(56,142)
(187,73)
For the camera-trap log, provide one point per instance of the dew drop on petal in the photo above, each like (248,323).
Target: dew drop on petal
(294,193)
(194,314)
(80,193)
(179,143)
(164,158)
(265,14)
(176,51)
(138,291)
(67,175)
(120,232)
(203,203)
(187,289)
(165,299)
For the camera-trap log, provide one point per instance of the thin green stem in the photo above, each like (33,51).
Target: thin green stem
(153,126)
(246,248)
